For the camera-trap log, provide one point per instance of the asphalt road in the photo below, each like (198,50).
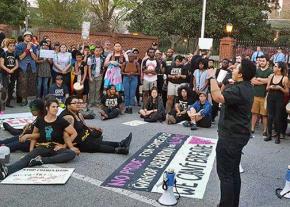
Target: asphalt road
(265,166)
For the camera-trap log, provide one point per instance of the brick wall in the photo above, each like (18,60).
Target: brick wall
(127,41)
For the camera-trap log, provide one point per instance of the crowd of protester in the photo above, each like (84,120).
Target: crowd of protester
(172,88)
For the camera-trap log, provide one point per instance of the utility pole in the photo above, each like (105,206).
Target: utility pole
(203,19)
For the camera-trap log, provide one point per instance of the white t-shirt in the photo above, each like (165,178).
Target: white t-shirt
(150,65)
(62,59)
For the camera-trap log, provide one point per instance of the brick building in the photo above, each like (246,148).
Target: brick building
(127,41)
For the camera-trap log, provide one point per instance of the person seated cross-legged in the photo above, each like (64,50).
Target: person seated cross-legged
(199,113)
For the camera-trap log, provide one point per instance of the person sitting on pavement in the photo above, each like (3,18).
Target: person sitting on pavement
(90,138)
(199,113)
(111,104)
(183,100)
(59,89)
(37,109)
(153,110)
(48,144)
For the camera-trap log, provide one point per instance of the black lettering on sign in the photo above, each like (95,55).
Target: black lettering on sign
(185,189)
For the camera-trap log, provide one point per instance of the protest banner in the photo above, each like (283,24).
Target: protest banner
(39,176)
(191,158)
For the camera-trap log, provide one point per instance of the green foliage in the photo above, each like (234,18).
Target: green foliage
(12,12)
(67,14)
(165,18)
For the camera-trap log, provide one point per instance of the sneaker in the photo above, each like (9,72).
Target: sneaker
(24,103)
(265,134)
(127,110)
(268,138)
(35,161)
(3,171)
(277,141)
(170,119)
(127,141)
(187,124)
(130,111)
(193,127)
(9,106)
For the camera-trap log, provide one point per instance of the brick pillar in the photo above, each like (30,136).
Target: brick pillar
(227,46)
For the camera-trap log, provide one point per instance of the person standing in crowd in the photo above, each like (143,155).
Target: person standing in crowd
(111,104)
(257,54)
(260,82)
(62,65)
(59,89)
(233,129)
(199,113)
(168,61)
(48,144)
(26,52)
(161,72)
(150,67)
(80,75)
(115,62)
(95,72)
(176,76)
(130,73)
(139,60)
(277,88)
(153,110)
(200,78)
(279,56)
(107,48)
(8,69)
(43,72)
(183,100)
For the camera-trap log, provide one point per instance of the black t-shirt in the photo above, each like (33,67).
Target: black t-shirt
(9,60)
(235,117)
(58,92)
(177,70)
(184,103)
(51,132)
(111,101)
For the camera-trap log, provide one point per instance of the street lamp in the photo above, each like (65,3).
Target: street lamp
(229,28)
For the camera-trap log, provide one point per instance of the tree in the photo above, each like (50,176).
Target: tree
(108,14)
(164,18)
(12,12)
(67,14)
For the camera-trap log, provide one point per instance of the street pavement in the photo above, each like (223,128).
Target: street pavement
(265,165)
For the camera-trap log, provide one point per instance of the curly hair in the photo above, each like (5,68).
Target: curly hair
(186,88)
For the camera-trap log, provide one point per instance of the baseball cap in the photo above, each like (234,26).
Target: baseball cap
(27,33)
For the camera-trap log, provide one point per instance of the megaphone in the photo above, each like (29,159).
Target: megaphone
(168,198)
(4,154)
(285,192)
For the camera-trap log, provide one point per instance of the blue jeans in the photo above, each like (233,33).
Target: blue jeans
(42,83)
(14,144)
(130,85)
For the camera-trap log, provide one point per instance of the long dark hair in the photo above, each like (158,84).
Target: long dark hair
(283,67)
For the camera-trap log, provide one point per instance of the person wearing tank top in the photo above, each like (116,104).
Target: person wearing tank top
(277,88)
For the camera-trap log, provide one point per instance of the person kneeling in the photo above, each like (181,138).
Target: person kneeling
(49,142)
(199,113)
(182,102)
(111,104)
(153,110)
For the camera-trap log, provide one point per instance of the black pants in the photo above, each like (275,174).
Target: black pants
(49,156)
(112,113)
(275,106)
(96,144)
(284,121)
(11,129)
(215,110)
(14,144)
(228,157)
